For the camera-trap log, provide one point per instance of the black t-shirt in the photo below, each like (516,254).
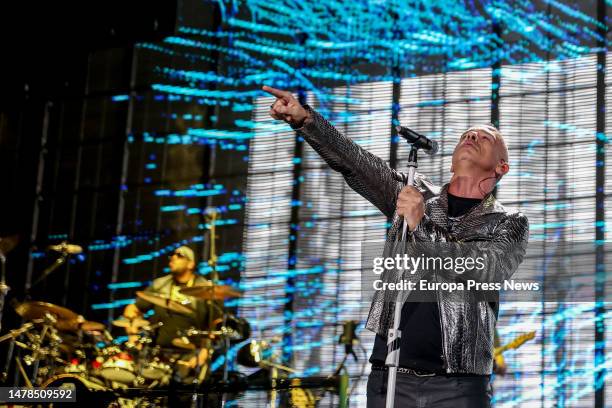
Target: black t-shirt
(421,346)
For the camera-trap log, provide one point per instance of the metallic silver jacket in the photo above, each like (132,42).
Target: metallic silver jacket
(467,325)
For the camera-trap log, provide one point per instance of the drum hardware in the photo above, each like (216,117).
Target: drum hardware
(258,353)
(237,328)
(13,334)
(202,334)
(150,365)
(62,346)
(23,373)
(46,344)
(30,310)
(65,249)
(199,341)
(48,333)
(209,292)
(149,370)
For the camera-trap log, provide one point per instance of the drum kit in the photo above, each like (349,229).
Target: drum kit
(60,348)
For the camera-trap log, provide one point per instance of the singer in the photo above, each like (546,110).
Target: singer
(446,348)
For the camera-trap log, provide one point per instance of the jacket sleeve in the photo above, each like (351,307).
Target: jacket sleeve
(501,256)
(363,171)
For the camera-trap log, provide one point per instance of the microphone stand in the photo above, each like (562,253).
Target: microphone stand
(394,335)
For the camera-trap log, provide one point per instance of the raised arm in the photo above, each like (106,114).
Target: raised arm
(364,172)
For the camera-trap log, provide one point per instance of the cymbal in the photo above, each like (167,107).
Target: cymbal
(90,326)
(8,243)
(136,323)
(36,310)
(166,303)
(183,343)
(79,324)
(66,248)
(208,291)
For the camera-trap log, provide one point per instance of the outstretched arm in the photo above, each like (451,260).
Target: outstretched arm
(364,172)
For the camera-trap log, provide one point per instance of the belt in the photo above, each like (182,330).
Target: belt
(421,373)
(406,370)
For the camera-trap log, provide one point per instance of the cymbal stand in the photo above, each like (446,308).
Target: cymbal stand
(34,359)
(144,353)
(226,346)
(212,262)
(12,335)
(48,331)
(23,373)
(201,369)
(58,262)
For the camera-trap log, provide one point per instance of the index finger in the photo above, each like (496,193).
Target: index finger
(277,92)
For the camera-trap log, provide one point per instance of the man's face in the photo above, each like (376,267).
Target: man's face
(479,149)
(179,263)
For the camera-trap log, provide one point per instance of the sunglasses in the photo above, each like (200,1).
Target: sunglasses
(177,254)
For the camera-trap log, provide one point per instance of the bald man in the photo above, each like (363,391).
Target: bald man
(446,347)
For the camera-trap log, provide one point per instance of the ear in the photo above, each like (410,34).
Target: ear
(502,168)
(191,265)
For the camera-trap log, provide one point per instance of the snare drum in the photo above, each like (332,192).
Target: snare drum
(119,368)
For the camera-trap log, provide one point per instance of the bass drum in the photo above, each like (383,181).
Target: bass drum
(88,392)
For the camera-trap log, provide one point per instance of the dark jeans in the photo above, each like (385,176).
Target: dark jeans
(430,392)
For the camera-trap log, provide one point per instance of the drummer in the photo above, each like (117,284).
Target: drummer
(182,274)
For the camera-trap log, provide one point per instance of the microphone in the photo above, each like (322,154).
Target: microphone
(419,141)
